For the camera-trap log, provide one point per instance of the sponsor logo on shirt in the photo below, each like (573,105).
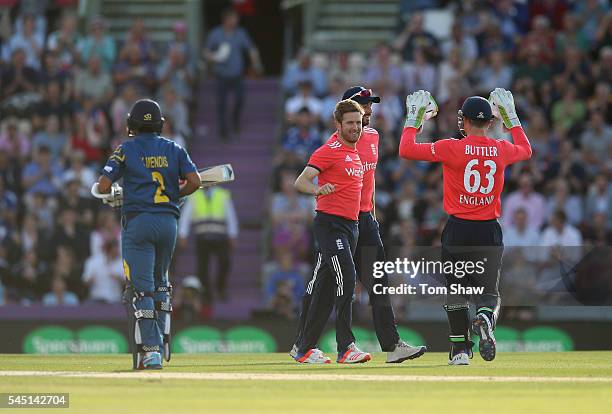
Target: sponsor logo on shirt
(348,158)
(339,244)
(368,166)
(354,172)
(373,148)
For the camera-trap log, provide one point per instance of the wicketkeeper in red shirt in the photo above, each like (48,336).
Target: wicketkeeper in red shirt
(473,170)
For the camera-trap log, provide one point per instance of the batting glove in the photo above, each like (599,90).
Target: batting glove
(420,106)
(115,199)
(502,103)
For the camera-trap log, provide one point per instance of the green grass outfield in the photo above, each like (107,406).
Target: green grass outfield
(567,382)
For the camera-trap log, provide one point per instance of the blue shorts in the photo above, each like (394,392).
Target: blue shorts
(147,246)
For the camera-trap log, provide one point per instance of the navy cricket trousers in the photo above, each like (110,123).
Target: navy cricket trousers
(148,242)
(471,241)
(369,249)
(336,242)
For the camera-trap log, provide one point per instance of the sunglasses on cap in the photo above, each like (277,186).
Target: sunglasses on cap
(364,93)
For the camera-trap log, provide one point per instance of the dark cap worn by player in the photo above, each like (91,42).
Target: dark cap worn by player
(145,116)
(473,171)
(360,95)
(151,167)
(475,108)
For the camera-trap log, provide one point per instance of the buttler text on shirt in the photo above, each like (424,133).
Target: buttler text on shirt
(481,151)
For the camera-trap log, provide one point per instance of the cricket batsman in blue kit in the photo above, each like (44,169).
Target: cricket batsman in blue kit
(151,167)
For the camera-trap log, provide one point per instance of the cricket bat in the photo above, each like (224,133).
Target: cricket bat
(217,174)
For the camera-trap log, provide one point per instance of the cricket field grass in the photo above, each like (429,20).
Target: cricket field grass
(568,382)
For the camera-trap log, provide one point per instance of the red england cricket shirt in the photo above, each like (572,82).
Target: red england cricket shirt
(473,169)
(367,146)
(340,165)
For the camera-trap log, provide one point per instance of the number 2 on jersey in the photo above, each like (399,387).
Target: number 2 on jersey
(469,173)
(159,196)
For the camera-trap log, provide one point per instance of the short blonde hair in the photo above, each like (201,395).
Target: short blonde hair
(346,106)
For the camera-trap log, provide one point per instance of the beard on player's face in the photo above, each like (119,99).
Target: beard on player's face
(349,129)
(367,113)
(351,132)
(366,120)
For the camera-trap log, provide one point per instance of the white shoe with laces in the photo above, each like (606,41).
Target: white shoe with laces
(312,356)
(403,351)
(353,355)
(461,358)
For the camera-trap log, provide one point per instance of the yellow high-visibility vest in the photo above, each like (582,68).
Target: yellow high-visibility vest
(208,212)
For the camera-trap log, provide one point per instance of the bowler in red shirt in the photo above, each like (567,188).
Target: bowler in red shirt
(337,166)
(369,249)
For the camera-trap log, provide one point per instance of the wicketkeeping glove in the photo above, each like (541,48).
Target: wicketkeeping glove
(420,106)
(502,103)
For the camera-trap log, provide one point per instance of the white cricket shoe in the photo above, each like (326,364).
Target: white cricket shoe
(312,356)
(353,355)
(461,358)
(403,351)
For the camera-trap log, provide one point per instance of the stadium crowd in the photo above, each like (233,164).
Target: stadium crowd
(555,56)
(65,94)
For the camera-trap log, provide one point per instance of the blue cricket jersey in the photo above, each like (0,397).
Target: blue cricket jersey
(151,167)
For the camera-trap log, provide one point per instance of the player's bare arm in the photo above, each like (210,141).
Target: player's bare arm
(191,184)
(104,184)
(305,183)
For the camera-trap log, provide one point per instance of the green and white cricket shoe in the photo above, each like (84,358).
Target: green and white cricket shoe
(462,358)
(403,351)
(482,326)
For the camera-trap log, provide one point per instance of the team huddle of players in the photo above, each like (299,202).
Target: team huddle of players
(346,232)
